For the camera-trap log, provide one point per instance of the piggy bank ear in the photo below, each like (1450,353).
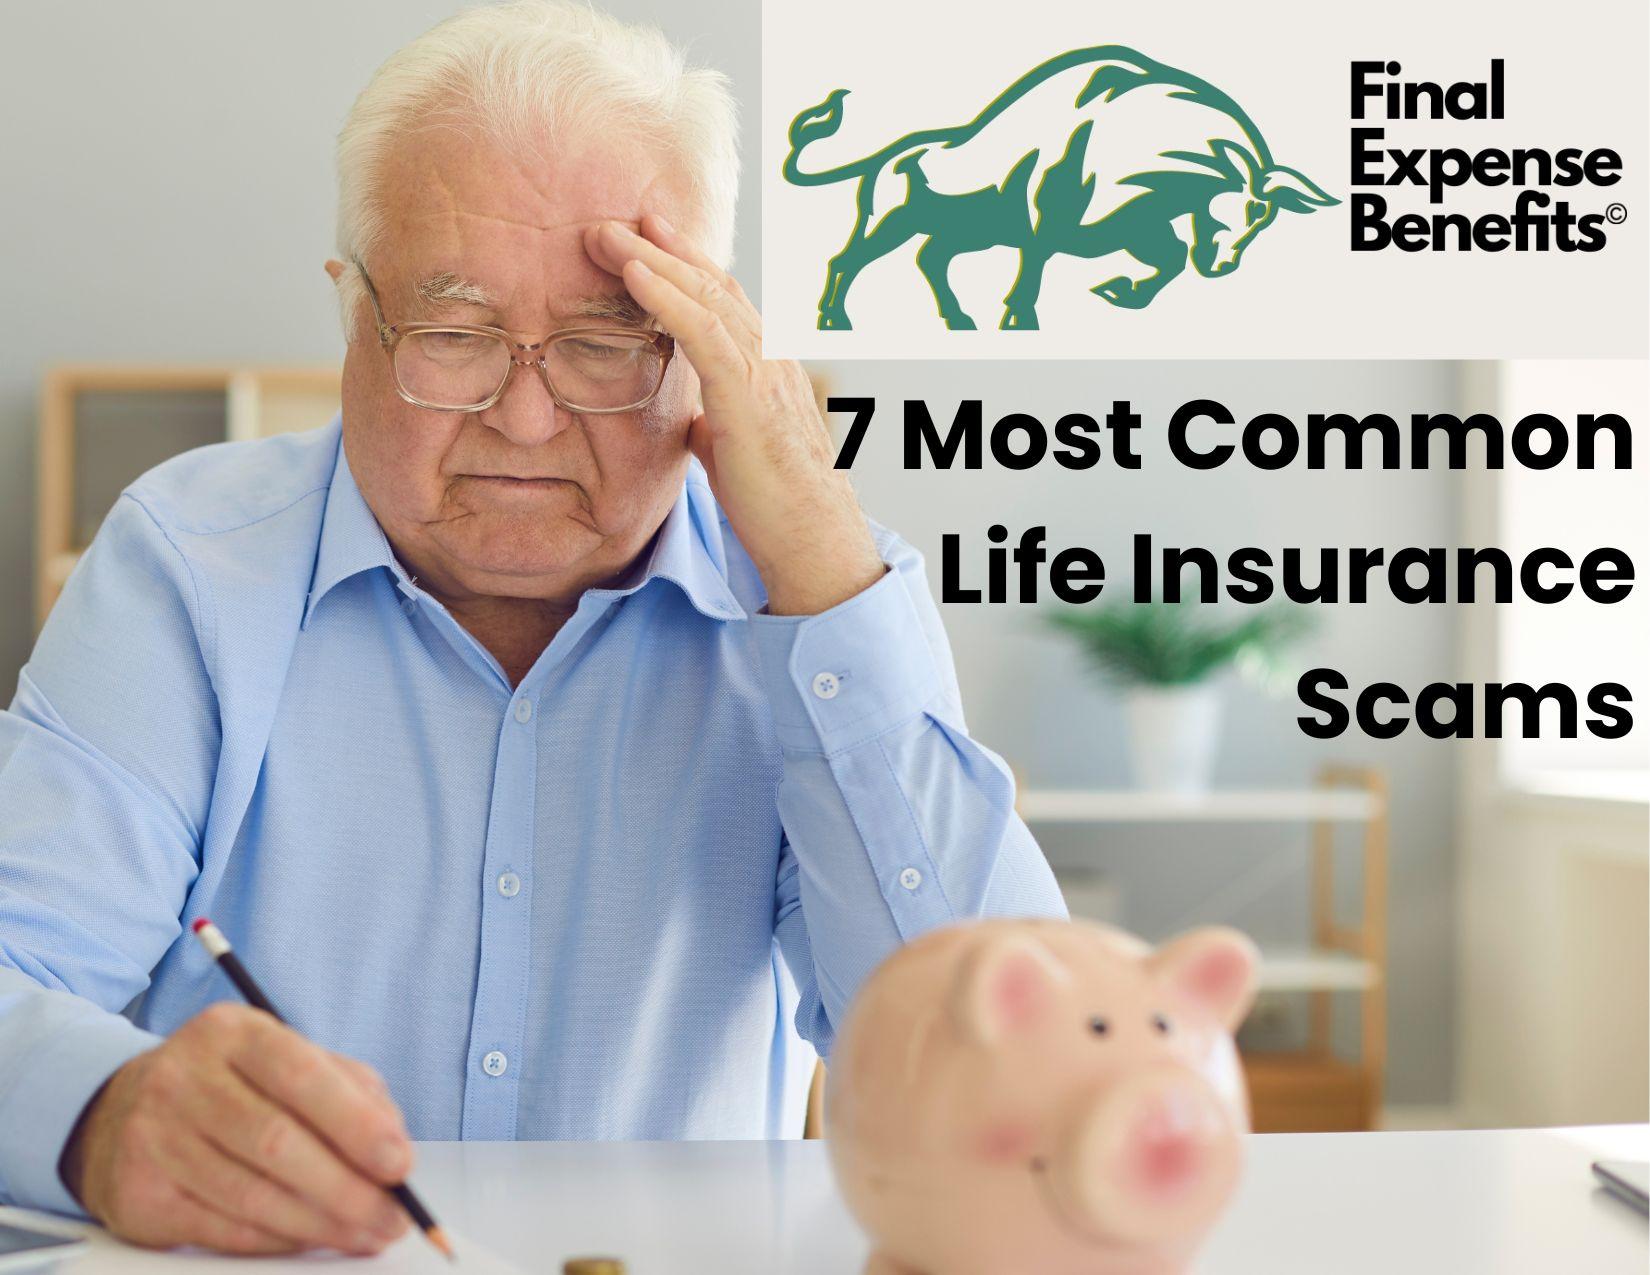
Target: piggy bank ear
(1008,984)
(1215,968)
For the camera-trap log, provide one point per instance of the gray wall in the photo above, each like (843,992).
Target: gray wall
(168,196)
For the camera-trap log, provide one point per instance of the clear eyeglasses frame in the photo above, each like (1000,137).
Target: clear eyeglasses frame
(652,350)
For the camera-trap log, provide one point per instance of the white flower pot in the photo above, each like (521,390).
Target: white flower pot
(1172,735)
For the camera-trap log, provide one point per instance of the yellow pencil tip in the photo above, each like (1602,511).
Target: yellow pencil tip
(438,1237)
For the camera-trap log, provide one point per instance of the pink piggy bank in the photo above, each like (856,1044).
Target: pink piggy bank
(1042,1097)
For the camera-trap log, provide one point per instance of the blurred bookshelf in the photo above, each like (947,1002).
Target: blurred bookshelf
(103,425)
(1316,1088)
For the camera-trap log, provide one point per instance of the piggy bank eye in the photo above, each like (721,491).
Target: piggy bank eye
(1099,1026)
(1161,1024)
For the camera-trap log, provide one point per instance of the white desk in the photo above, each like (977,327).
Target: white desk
(1492,1203)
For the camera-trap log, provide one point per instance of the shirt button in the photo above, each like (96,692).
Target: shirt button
(910,878)
(495,1064)
(826,685)
(524,710)
(509,885)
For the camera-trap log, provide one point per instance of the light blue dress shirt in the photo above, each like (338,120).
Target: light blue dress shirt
(604,903)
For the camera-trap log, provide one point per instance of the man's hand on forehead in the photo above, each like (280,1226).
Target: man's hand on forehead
(760,437)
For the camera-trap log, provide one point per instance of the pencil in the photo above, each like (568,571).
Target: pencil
(217,947)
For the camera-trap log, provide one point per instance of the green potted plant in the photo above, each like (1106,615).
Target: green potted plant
(1165,655)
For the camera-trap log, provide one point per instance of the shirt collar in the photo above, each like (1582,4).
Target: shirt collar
(688,550)
(351,539)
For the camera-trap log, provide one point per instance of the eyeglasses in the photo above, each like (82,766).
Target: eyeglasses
(461,367)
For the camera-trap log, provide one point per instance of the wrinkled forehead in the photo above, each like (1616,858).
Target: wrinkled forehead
(512,221)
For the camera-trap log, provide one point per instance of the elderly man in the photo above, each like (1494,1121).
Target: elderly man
(552,733)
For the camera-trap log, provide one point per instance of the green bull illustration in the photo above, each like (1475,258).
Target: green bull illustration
(1050,127)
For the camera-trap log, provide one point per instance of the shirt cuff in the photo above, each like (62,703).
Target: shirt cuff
(850,674)
(45,1100)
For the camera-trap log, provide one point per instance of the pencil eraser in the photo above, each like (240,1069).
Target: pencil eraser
(201,924)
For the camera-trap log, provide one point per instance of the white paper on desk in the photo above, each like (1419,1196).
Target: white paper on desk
(411,1255)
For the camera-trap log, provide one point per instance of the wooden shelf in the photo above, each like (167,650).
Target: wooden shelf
(1314,970)
(1315,1089)
(1309,1092)
(1232,805)
(136,416)
(59,565)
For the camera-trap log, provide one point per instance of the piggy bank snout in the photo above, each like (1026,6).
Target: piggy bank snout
(1147,1157)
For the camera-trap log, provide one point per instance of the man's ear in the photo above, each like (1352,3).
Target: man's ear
(1008,984)
(1216,968)
(335,269)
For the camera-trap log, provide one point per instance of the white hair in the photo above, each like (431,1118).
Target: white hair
(525,70)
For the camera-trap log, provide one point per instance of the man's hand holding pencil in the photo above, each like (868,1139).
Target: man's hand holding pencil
(238,1134)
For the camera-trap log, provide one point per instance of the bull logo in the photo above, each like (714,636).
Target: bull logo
(1077,113)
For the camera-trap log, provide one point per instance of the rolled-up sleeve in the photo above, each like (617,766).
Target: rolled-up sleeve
(106,762)
(895,819)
